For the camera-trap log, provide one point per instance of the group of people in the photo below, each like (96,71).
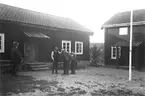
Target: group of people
(67,59)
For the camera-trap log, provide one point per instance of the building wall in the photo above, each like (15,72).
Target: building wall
(16,32)
(110,40)
(12,32)
(56,37)
(112,36)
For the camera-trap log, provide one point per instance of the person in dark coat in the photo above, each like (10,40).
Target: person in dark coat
(16,58)
(66,60)
(73,63)
(54,57)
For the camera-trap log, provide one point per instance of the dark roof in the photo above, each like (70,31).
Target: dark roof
(16,14)
(126,43)
(123,18)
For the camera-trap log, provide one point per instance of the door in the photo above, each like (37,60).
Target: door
(124,59)
(30,52)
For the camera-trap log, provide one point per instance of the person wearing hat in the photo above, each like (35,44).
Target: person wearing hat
(16,58)
(54,56)
(66,60)
(73,63)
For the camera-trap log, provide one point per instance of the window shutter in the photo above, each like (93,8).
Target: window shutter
(113,52)
(2,43)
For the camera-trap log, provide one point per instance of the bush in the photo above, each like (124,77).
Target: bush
(96,56)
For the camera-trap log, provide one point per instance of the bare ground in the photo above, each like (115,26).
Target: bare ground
(87,82)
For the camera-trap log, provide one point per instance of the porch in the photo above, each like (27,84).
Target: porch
(122,57)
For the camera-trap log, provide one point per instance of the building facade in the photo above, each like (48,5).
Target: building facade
(37,33)
(117,35)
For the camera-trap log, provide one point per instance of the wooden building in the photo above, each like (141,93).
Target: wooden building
(117,34)
(37,33)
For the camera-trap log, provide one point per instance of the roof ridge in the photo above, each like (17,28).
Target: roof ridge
(124,18)
(33,11)
(129,11)
(28,16)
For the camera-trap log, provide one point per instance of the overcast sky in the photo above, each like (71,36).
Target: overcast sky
(89,13)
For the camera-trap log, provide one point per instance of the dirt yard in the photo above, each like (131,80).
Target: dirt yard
(87,82)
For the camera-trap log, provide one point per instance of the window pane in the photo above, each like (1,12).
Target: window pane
(78,47)
(77,50)
(67,44)
(1,43)
(114,52)
(63,45)
(67,48)
(123,31)
(77,44)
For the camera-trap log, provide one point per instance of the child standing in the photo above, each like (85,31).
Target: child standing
(73,63)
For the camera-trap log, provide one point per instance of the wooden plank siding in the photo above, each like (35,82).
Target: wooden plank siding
(12,32)
(112,36)
(16,32)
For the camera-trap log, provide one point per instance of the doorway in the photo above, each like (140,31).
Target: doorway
(30,52)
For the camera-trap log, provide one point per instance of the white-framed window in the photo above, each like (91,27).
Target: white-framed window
(2,43)
(78,47)
(66,45)
(123,31)
(115,52)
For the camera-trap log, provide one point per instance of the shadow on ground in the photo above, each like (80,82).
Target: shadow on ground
(23,84)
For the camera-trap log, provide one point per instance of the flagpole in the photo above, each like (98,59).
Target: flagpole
(130,46)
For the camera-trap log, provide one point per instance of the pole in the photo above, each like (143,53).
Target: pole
(130,46)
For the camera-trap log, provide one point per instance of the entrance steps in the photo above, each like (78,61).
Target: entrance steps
(36,66)
(4,65)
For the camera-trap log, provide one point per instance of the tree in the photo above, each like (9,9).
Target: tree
(96,56)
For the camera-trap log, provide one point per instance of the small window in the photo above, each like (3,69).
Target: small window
(66,45)
(115,52)
(123,31)
(2,43)
(79,47)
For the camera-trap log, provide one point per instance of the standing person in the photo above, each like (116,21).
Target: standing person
(16,58)
(54,57)
(73,63)
(66,60)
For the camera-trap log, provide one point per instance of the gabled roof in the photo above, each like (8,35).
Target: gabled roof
(123,19)
(15,14)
